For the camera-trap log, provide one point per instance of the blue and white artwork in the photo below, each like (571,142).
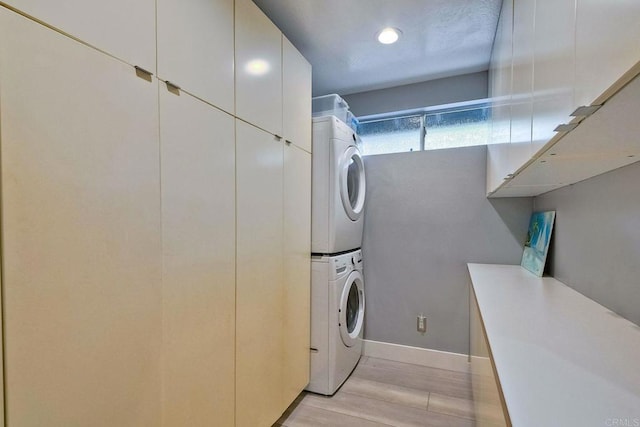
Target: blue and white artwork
(537,244)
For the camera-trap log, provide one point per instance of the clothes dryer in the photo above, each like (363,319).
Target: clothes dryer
(337,319)
(338,188)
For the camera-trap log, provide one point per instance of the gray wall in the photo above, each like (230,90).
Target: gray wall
(449,90)
(427,215)
(596,240)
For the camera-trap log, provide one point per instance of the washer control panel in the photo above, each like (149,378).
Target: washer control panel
(356,260)
(345,263)
(340,265)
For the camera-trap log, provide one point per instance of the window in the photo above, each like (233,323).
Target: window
(395,135)
(434,128)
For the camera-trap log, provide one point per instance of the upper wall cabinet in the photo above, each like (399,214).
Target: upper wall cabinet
(258,68)
(554,61)
(607,45)
(605,141)
(522,79)
(500,75)
(195,48)
(122,28)
(497,165)
(296,88)
(520,148)
(584,52)
(81,233)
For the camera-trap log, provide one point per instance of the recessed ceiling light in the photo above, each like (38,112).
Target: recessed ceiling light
(389,35)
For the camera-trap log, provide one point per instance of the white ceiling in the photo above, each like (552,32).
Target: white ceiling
(441,38)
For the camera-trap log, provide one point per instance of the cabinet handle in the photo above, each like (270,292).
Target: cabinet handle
(142,73)
(278,137)
(286,141)
(585,110)
(566,127)
(173,88)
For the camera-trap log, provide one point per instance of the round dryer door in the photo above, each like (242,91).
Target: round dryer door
(352,182)
(352,309)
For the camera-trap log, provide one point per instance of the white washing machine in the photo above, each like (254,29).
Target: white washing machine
(337,319)
(338,188)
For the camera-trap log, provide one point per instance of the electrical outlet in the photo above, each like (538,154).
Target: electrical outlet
(422,323)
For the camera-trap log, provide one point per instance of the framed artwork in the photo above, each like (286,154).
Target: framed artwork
(536,247)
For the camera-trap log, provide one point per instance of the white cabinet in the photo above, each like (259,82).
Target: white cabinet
(273,275)
(522,80)
(607,45)
(554,63)
(81,233)
(509,157)
(273,80)
(559,349)
(122,28)
(198,252)
(297,220)
(501,73)
(195,48)
(497,165)
(500,80)
(156,250)
(487,397)
(584,51)
(297,272)
(296,96)
(258,64)
(259,293)
(273,92)
(581,153)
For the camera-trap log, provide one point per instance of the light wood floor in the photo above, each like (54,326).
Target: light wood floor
(385,393)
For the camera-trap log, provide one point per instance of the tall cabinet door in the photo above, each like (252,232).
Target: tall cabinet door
(522,82)
(195,48)
(259,285)
(198,226)
(297,274)
(501,76)
(125,29)
(607,45)
(258,65)
(81,233)
(296,96)
(500,80)
(554,68)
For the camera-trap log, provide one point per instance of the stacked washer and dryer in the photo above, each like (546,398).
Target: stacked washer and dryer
(337,284)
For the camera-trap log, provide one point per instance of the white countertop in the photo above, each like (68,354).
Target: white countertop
(562,359)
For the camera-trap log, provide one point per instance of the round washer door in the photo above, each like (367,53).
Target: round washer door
(352,182)
(352,309)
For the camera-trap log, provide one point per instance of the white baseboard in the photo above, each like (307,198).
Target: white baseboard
(416,355)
